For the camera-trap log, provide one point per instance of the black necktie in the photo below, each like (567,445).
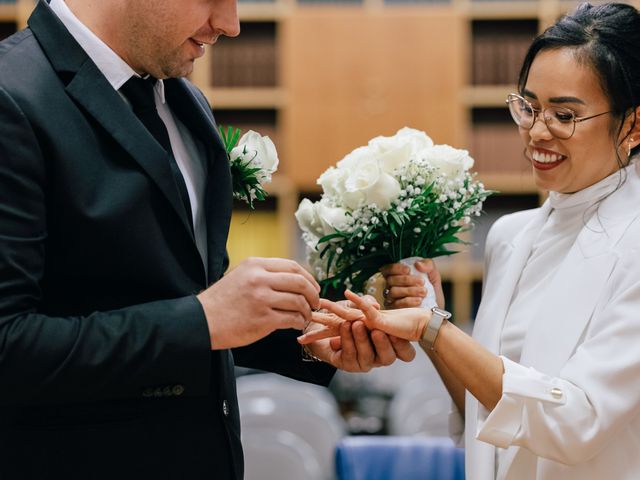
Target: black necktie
(139,92)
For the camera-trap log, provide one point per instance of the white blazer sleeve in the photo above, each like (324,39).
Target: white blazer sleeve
(574,416)
(496,237)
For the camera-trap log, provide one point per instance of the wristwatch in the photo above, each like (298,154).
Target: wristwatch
(438,316)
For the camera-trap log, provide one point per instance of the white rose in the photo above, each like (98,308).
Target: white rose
(308,220)
(352,160)
(331,218)
(394,158)
(383,192)
(416,139)
(398,149)
(369,184)
(332,182)
(258,150)
(451,162)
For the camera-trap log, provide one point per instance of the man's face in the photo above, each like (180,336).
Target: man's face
(165,37)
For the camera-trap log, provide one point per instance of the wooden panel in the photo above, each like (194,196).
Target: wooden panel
(352,74)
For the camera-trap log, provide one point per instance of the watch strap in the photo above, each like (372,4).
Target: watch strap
(438,316)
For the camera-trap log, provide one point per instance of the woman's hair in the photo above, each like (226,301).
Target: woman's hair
(606,38)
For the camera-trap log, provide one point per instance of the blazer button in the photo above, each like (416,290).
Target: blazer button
(177,390)
(225,408)
(556,393)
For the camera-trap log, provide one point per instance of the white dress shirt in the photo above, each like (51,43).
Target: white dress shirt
(188,153)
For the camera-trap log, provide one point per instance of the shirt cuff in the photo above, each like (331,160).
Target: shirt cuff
(520,385)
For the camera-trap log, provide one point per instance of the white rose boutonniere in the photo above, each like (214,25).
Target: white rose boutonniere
(253,159)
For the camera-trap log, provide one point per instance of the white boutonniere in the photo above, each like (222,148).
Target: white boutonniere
(253,160)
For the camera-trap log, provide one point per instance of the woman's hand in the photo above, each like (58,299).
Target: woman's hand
(404,290)
(408,324)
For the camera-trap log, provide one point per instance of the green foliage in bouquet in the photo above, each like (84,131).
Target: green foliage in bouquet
(428,227)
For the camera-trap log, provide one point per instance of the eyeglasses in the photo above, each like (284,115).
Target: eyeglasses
(560,121)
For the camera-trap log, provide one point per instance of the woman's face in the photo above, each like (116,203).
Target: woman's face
(567,166)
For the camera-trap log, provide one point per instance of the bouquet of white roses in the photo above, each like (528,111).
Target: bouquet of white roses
(397,197)
(253,159)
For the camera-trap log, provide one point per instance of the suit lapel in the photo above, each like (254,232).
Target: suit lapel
(192,113)
(497,294)
(574,293)
(499,291)
(91,90)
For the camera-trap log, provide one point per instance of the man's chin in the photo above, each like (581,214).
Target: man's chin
(176,71)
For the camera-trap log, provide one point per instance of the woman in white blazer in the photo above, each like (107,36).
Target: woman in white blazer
(550,380)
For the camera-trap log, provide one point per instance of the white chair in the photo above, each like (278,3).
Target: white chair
(319,430)
(278,455)
(297,394)
(420,407)
(388,380)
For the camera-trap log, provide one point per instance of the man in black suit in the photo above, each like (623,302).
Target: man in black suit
(116,324)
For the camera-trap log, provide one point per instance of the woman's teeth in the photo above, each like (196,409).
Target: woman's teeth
(546,157)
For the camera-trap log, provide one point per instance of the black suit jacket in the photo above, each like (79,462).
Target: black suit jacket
(105,364)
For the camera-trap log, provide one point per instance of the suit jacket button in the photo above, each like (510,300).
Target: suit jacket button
(177,390)
(225,408)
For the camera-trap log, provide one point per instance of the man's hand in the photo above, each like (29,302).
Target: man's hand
(358,350)
(259,296)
